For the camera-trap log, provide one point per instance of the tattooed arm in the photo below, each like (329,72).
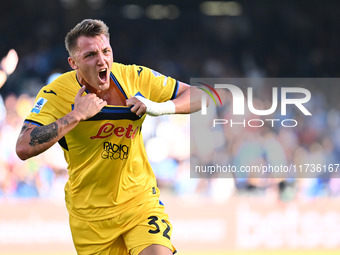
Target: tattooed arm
(34,140)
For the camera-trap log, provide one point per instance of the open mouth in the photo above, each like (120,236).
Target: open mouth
(103,75)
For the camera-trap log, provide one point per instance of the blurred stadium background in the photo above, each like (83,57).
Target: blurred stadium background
(182,39)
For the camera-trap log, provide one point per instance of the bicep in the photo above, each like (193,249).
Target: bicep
(26,131)
(22,145)
(35,139)
(188,98)
(182,87)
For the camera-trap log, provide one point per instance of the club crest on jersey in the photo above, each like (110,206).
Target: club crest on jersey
(39,105)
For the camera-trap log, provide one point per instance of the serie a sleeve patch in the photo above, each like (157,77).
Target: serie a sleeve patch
(39,105)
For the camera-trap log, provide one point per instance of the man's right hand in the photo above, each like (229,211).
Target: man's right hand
(88,105)
(34,139)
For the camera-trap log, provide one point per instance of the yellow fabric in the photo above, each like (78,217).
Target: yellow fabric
(138,228)
(107,163)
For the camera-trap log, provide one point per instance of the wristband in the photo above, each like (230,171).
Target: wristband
(156,109)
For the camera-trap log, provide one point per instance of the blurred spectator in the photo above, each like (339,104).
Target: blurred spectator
(8,65)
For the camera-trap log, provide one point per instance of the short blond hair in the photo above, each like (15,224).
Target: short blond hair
(88,27)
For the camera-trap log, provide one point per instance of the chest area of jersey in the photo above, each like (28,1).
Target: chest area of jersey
(97,131)
(111,139)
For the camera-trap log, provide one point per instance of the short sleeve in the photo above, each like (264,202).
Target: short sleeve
(47,108)
(156,86)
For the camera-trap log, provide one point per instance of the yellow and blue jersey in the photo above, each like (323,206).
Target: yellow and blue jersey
(107,163)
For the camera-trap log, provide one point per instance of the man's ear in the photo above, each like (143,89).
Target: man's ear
(72,63)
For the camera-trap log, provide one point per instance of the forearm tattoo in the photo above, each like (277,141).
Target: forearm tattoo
(64,120)
(44,134)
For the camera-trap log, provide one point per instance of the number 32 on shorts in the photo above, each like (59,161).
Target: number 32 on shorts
(154,221)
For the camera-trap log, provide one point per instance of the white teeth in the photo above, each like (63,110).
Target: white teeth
(102,70)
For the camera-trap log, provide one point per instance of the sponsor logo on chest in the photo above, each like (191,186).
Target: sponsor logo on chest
(109,129)
(111,150)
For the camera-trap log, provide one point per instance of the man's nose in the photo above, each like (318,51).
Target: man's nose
(101,59)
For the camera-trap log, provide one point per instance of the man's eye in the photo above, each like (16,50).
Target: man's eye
(89,55)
